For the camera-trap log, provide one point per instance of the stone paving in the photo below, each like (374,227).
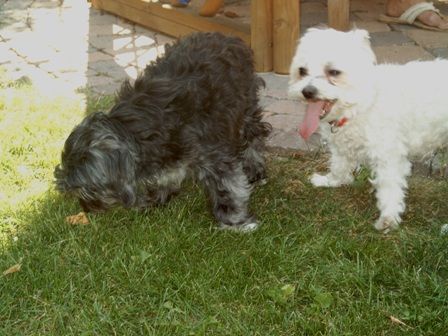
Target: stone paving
(65,45)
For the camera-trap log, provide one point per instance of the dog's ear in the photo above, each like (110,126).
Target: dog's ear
(60,182)
(362,35)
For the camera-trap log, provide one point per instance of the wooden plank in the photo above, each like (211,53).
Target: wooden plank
(95,4)
(174,22)
(286,26)
(338,14)
(261,34)
(187,15)
(143,18)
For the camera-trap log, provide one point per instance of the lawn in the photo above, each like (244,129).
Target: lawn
(315,267)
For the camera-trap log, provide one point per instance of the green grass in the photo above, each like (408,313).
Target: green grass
(316,266)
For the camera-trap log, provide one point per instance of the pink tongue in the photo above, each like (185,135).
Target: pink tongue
(311,120)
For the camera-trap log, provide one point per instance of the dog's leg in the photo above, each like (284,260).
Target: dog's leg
(254,163)
(390,184)
(341,172)
(160,188)
(229,192)
(157,196)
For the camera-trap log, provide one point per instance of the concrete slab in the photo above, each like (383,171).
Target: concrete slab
(428,39)
(389,38)
(401,54)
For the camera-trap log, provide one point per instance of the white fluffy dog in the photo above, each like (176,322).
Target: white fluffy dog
(377,115)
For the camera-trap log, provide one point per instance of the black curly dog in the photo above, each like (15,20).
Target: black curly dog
(193,110)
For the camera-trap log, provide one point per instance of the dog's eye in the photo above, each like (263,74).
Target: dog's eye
(333,72)
(302,72)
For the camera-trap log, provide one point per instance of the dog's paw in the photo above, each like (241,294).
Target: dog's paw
(318,180)
(261,182)
(386,224)
(329,180)
(246,227)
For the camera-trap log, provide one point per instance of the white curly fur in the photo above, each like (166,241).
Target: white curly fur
(394,112)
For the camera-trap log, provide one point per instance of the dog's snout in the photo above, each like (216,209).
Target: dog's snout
(309,92)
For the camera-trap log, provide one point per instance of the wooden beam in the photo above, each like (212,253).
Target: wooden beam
(261,34)
(173,22)
(338,14)
(286,22)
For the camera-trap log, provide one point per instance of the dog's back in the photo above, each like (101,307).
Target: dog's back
(414,98)
(204,79)
(210,59)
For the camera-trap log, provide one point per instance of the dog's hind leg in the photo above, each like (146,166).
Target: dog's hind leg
(255,134)
(390,184)
(254,162)
(160,188)
(229,191)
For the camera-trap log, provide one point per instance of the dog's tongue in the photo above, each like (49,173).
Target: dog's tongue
(311,120)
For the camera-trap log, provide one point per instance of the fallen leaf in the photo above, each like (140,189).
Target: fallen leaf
(397,321)
(13,269)
(79,219)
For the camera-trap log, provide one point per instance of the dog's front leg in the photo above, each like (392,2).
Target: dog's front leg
(229,192)
(390,184)
(341,172)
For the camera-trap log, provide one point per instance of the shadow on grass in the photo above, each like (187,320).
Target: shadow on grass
(315,266)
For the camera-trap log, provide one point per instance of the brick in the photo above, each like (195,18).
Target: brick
(45,4)
(74,80)
(17,5)
(440,52)
(401,54)
(13,30)
(143,41)
(108,68)
(291,140)
(125,59)
(162,39)
(144,57)
(102,42)
(132,71)
(367,6)
(104,81)
(64,62)
(108,30)
(389,39)
(284,106)
(428,39)
(276,85)
(95,56)
(372,26)
(99,18)
(366,16)
(284,121)
(6,54)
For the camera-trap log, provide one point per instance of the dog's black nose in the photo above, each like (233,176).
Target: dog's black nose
(309,92)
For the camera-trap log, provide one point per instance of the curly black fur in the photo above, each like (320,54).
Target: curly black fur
(193,110)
